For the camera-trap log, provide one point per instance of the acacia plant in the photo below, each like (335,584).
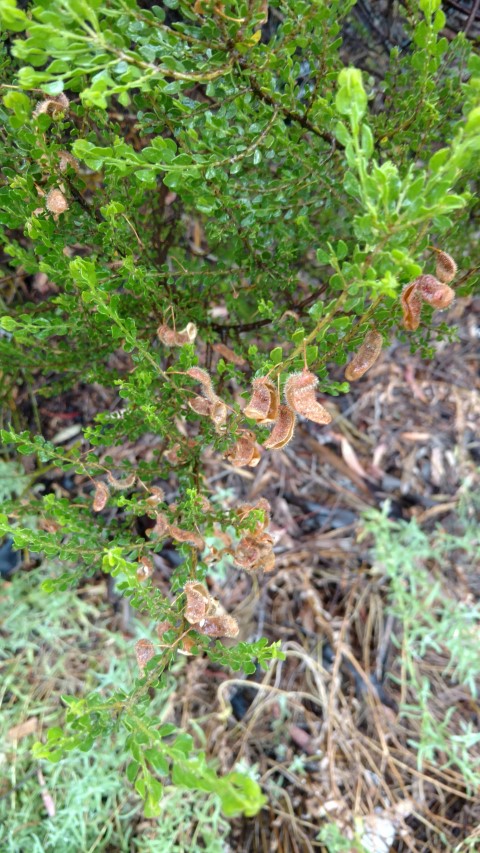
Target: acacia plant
(223,214)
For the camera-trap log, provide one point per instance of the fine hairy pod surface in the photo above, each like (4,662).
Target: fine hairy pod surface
(446,268)
(199,601)
(264,402)
(283,430)
(365,357)
(435,292)
(171,338)
(411,303)
(56,202)
(144,651)
(217,626)
(300,396)
(244,451)
(100,497)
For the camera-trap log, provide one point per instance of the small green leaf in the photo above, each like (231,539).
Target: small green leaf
(276,355)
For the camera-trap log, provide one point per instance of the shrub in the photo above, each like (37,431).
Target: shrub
(220,208)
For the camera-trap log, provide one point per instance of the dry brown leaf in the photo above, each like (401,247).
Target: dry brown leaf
(23,729)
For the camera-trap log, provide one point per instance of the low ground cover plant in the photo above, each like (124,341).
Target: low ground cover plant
(220,223)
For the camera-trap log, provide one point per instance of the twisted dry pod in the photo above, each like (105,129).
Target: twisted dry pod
(100,497)
(300,396)
(144,651)
(199,602)
(145,569)
(52,106)
(172,338)
(264,403)
(244,452)
(446,268)
(411,303)
(425,288)
(435,292)
(218,626)
(255,552)
(56,202)
(217,410)
(191,537)
(365,357)
(283,430)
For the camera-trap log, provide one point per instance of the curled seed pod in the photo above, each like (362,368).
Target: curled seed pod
(244,452)
(218,626)
(172,338)
(446,268)
(127,483)
(161,628)
(434,292)
(56,202)
(300,396)
(411,303)
(244,510)
(365,357)
(100,497)
(145,569)
(191,537)
(264,402)
(199,601)
(161,527)
(200,406)
(218,412)
(204,378)
(144,651)
(52,106)
(228,354)
(283,429)
(66,159)
(157,496)
(254,552)
(173,454)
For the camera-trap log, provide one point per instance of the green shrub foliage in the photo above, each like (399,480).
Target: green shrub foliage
(213,197)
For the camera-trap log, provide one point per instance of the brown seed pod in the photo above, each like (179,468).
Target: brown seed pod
(127,483)
(100,497)
(218,412)
(161,527)
(218,626)
(201,406)
(244,510)
(411,303)
(244,452)
(254,552)
(446,268)
(205,380)
(300,396)
(52,106)
(283,429)
(228,354)
(191,537)
(144,651)
(172,338)
(56,202)
(264,402)
(145,569)
(199,602)
(365,357)
(157,496)
(434,292)
(66,159)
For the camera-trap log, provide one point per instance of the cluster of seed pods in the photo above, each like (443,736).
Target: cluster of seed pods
(432,289)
